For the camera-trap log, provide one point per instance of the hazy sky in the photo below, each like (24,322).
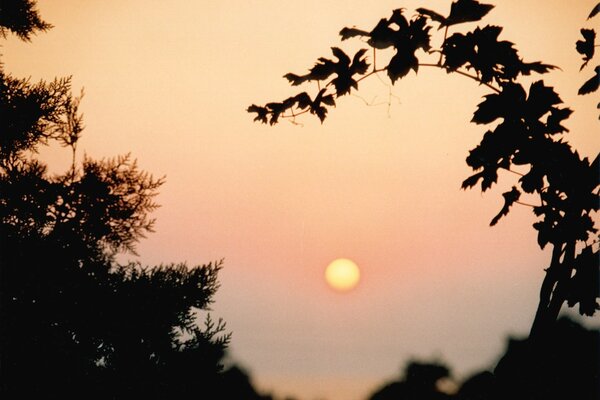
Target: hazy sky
(170,82)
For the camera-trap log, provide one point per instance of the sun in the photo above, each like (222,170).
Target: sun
(342,274)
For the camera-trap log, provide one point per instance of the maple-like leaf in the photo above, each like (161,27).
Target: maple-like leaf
(261,112)
(509,199)
(555,118)
(507,104)
(591,85)
(586,47)
(540,100)
(347,33)
(467,11)
(316,106)
(433,15)
(345,69)
(322,69)
(536,66)
(382,36)
(460,11)
(401,63)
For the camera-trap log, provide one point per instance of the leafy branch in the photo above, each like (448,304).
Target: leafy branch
(528,128)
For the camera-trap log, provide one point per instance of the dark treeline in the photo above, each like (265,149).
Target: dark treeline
(525,370)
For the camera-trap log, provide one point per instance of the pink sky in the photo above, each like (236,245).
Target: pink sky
(170,82)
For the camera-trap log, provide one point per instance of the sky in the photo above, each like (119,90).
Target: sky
(378,182)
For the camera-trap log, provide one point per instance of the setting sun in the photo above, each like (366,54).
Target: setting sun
(342,274)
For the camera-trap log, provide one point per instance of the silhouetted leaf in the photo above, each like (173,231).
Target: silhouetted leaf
(418,31)
(294,79)
(359,64)
(594,11)
(586,47)
(322,69)
(347,33)
(319,110)
(467,11)
(433,15)
(591,85)
(557,115)
(329,100)
(540,100)
(260,111)
(507,104)
(472,180)
(532,181)
(509,199)
(460,11)
(276,109)
(536,66)
(458,49)
(303,100)
(382,36)
(344,81)
(488,110)
(402,62)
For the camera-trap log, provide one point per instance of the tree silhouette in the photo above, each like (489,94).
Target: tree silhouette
(420,381)
(74,322)
(523,372)
(526,133)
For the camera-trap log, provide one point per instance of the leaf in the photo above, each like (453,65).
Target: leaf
(399,19)
(345,71)
(507,104)
(401,63)
(591,85)
(509,199)
(458,49)
(532,181)
(472,180)
(433,15)
(594,11)
(537,66)
(467,11)
(540,100)
(359,64)
(329,100)
(347,33)
(586,47)
(460,11)
(260,111)
(343,59)
(317,109)
(418,30)
(303,100)
(543,229)
(275,109)
(322,69)
(488,110)
(294,79)
(557,115)
(382,36)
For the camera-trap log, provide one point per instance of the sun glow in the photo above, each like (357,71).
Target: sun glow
(342,274)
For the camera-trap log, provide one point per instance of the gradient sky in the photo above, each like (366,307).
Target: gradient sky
(170,82)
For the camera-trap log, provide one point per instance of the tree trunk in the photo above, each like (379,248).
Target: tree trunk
(553,290)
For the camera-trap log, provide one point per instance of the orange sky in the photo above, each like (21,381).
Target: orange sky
(170,82)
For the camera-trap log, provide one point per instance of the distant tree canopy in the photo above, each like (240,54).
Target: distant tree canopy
(522,372)
(73,322)
(527,138)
